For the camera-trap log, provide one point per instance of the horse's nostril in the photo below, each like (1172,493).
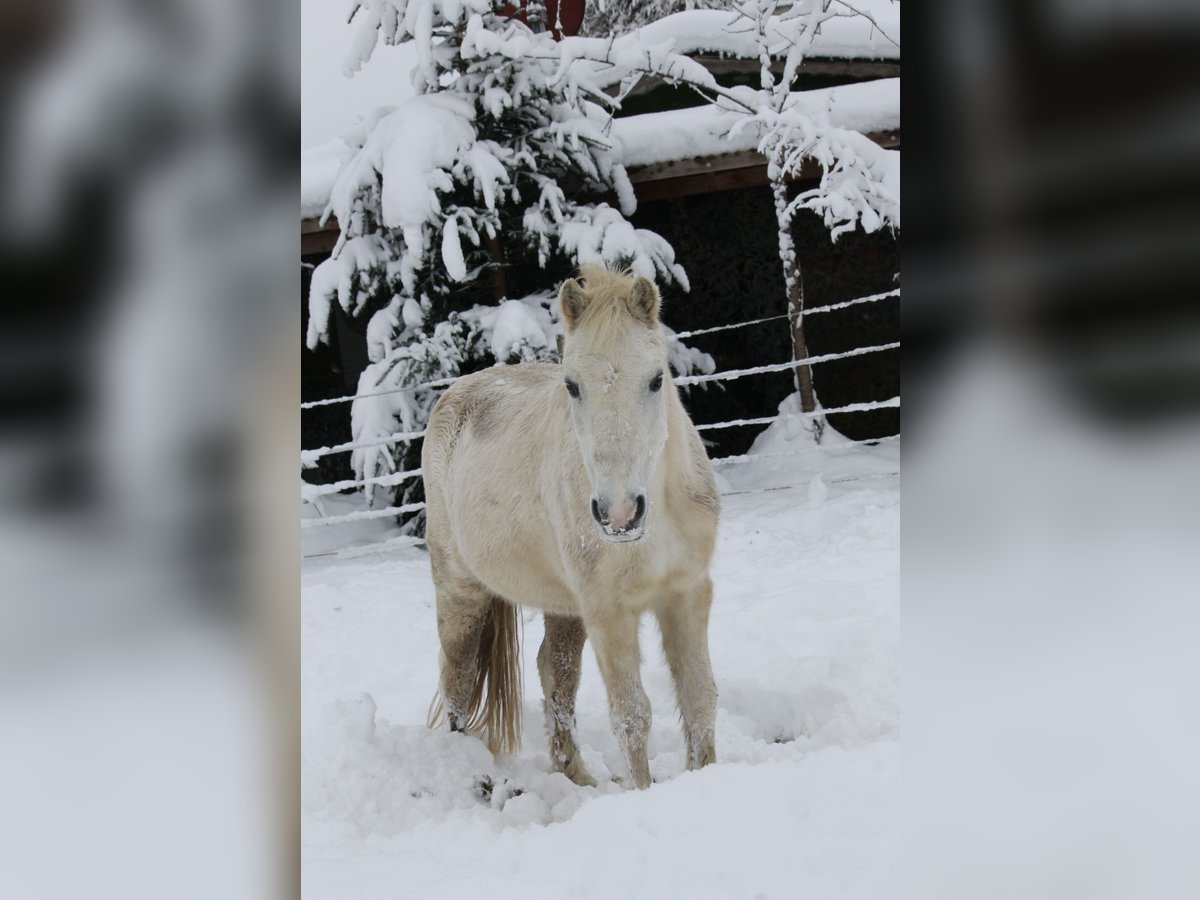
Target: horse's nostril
(596,512)
(641,509)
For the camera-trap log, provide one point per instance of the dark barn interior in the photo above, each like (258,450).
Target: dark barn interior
(725,241)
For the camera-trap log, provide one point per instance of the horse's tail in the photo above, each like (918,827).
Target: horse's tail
(494,711)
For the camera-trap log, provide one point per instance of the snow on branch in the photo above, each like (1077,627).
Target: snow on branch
(860,181)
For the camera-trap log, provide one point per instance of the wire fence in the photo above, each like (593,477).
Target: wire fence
(308,458)
(446,382)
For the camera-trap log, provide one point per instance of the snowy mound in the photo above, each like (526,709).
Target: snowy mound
(784,455)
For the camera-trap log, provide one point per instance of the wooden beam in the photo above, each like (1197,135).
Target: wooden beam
(317,240)
(697,179)
(699,165)
(717,65)
(727,172)
(857,69)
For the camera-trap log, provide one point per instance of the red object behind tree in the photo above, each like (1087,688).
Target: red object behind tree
(571,16)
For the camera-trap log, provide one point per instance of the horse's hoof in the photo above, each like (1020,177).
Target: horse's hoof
(700,762)
(482,788)
(580,775)
(490,793)
(576,771)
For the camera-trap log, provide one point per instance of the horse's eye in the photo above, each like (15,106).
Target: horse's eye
(572,388)
(656,383)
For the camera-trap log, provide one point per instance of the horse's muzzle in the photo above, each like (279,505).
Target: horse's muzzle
(620,522)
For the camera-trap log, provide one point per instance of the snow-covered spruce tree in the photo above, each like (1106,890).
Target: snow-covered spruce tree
(860,181)
(482,171)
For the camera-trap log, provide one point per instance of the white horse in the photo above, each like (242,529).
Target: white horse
(581,489)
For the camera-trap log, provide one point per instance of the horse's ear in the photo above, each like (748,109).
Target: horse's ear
(643,301)
(571,300)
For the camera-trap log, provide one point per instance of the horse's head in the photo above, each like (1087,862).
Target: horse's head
(615,370)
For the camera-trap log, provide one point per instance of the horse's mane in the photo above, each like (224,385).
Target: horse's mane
(600,279)
(607,290)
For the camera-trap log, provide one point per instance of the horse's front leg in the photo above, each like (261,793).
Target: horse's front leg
(558,663)
(683,620)
(614,637)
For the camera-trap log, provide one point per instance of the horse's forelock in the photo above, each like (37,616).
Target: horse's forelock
(606,311)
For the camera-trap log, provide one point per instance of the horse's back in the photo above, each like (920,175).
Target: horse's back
(492,442)
(485,405)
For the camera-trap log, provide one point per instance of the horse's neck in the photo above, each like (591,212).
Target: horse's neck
(675,472)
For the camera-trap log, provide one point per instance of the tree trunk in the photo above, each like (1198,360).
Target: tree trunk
(794,280)
(499,277)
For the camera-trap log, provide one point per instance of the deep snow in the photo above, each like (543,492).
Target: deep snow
(802,801)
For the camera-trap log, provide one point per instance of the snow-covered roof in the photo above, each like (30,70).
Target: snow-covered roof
(676,134)
(719,31)
(660,137)
(318,170)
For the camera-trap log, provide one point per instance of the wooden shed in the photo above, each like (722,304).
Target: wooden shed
(716,210)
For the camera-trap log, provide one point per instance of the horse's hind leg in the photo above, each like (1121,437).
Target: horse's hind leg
(462,612)
(559,661)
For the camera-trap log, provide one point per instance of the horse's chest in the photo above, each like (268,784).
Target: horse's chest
(665,566)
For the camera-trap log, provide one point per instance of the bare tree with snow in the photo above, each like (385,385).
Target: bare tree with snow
(860,181)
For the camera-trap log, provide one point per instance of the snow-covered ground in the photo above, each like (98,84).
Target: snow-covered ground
(803,798)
